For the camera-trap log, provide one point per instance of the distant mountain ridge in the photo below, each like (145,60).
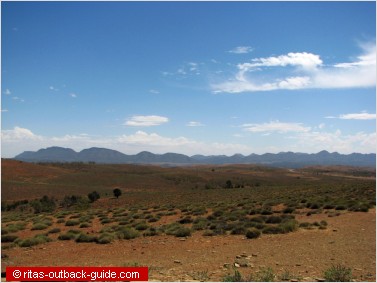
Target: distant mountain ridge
(282,159)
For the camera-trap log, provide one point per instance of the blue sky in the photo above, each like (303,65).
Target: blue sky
(190,77)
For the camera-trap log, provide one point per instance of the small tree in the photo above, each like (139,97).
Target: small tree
(117,193)
(93,196)
(228,184)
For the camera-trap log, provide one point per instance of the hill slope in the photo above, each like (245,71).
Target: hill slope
(283,159)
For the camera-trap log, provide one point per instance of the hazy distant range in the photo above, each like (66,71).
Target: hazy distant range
(283,159)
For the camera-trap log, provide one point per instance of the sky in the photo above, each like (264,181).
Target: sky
(189,77)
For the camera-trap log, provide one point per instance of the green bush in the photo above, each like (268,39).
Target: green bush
(289,226)
(272,230)
(72,222)
(84,225)
(183,232)
(36,240)
(274,219)
(105,238)
(127,233)
(265,275)
(252,233)
(84,238)
(54,230)
(39,226)
(67,236)
(8,238)
(141,226)
(338,273)
(237,277)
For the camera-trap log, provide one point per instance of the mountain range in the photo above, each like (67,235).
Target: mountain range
(282,159)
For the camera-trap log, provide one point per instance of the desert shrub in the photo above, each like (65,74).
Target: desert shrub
(288,210)
(266,212)
(265,275)
(84,225)
(274,219)
(75,216)
(218,213)
(60,220)
(36,240)
(209,233)
(54,230)
(257,219)
(199,211)
(85,238)
(93,196)
(183,232)
(126,233)
(72,222)
(199,223)
(67,236)
(39,226)
(105,221)
(361,207)
(14,227)
(8,238)
(44,204)
(150,232)
(338,273)
(153,219)
(288,226)
(252,233)
(305,225)
(329,206)
(236,277)
(272,230)
(141,226)
(185,220)
(340,207)
(238,230)
(105,238)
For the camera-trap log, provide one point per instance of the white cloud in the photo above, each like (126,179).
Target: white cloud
(194,124)
(17,134)
(4,110)
(73,95)
(335,141)
(146,121)
(53,88)
(355,116)
(7,92)
(307,71)
(275,126)
(241,50)
(18,99)
(154,91)
(304,60)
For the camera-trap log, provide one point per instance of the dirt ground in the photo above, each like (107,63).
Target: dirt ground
(350,239)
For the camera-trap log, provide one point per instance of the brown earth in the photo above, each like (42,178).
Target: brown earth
(350,239)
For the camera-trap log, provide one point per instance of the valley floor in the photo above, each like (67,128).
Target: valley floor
(350,240)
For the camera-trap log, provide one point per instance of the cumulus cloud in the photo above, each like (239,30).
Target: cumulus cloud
(73,95)
(355,116)
(7,92)
(194,124)
(301,70)
(146,121)
(17,134)
(275,126)
(335,141)
(241,50)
